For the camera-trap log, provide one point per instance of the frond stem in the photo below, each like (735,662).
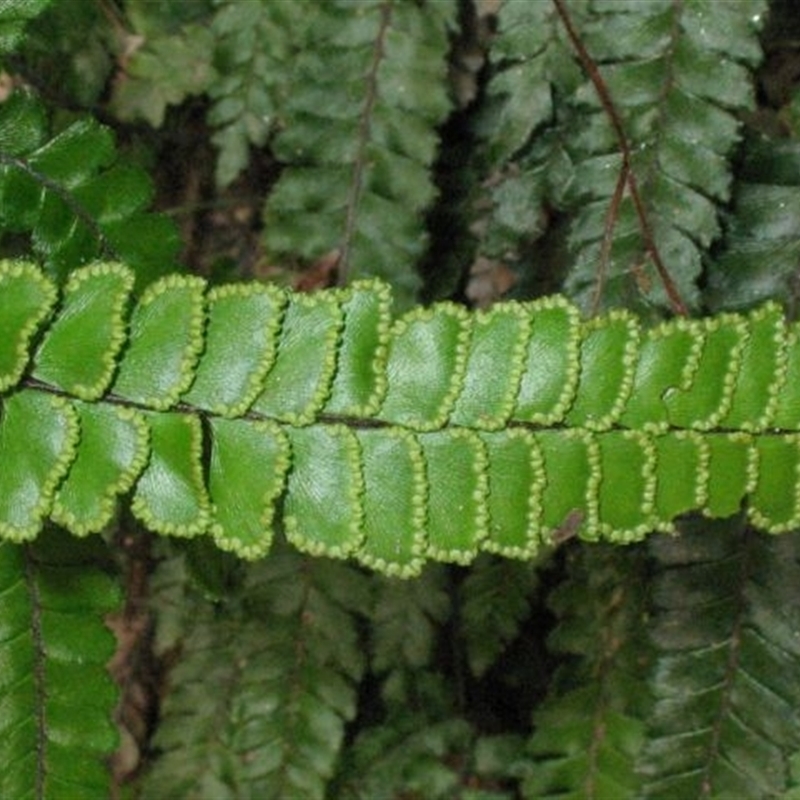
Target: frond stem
(359,166)
(604,95)
(731,670)
(564,532)
(38,672)
(608,236)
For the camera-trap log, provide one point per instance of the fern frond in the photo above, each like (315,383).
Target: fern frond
(759,253)
(56,695)
(168,68)
(14,17)
(391,441)
(496,598)
(69,53)
(676,90)
(283,691)
(517,126)
(590,729)
(360,137)
(725,666)
(411,757)
(255,45)
(72,197)
(429,754)
(406,617)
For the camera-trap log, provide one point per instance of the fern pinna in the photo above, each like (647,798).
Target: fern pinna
(434,435)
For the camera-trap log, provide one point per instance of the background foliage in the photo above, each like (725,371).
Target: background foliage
(641,153)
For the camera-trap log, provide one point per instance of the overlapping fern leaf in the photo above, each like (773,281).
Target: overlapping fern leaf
(415,756)
(14,17)
(589,731)
(520,153)
(255,78)
(273,725)
(496,595)
(56,695)
(406,617)
(638,150)
(677,79)
(360,137)
(170,67)
(241,55)
(724,722)
(758,256)
(67,199)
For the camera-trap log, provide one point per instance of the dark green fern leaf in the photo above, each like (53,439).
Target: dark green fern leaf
(590,729)
(521,148)
(72,197)
(14,18)
(759,254)
(360,136)
(496,597)
(549,142)
(412,757)
(57,697)
(69,54)
(406,617)
(283,692)
(725,720)
(677,80)
(255,53)
(421,748)
(170,67)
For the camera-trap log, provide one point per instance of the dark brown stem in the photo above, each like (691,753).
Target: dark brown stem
(608,237)
(601,88)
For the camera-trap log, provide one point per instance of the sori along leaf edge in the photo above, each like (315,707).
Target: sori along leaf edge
(236,409)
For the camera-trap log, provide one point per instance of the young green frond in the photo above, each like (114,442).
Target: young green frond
(391,441)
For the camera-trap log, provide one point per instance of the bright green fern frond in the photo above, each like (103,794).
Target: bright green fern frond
(283,692)
(390,441)
(360,136)
(725,719)
(57,697)
(590,729)
(73,199)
